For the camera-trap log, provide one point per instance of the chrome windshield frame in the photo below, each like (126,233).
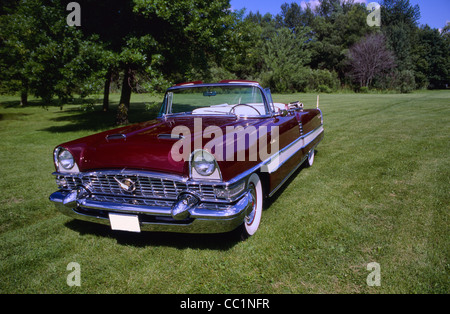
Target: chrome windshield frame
(164,110)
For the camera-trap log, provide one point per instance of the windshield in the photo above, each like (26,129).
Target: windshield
(215,100)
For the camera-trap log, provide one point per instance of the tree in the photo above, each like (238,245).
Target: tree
(432,54)
(370,58)
(395,12)
(42,55)
(16,39)
(294,17)
(399,23)
(156,41)
(190,32)
(246,52)
(131,49)
(337,26)
(285,56)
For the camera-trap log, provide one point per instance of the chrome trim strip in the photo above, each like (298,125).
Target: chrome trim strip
(116,136)
(108,206)
(298,165)
(170,137)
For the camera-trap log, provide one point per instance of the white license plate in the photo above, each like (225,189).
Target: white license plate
(124,222)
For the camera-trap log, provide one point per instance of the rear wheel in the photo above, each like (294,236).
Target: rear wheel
(253,218)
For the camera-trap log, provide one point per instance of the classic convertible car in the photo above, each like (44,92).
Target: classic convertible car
(204,165)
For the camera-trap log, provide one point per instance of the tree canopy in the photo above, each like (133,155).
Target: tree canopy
(147,45)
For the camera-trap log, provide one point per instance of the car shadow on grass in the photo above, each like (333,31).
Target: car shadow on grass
(221,242)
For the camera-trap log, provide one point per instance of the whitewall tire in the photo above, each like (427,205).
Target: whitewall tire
(253,219)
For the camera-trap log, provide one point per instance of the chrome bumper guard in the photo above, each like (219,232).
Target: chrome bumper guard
(187,215)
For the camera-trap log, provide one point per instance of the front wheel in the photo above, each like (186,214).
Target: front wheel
(253,218)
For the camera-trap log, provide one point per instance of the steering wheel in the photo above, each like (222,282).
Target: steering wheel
(232,109)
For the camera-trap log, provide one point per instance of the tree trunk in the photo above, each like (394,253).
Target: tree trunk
(122,115)
(124,104)
(106,90)
(126,88)
(24,93)
(24,98)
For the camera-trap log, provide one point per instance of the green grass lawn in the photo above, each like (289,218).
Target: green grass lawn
(378,192)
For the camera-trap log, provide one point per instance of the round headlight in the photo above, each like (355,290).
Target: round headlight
(204,163)
(65,159)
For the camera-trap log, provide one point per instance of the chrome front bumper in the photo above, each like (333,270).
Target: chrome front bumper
(198,219)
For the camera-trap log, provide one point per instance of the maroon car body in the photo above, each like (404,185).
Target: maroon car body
(204,170)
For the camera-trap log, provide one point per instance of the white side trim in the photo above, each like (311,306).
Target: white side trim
(283,155)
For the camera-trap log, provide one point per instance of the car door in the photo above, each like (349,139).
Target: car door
(290,144)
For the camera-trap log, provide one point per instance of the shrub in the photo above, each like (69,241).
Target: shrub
(323,81)
(288,81)
(324,89)
(406,81)
(364,90)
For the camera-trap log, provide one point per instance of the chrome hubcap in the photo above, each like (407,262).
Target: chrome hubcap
(251,216)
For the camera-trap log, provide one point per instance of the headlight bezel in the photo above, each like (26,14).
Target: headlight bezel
(64,166)
(203,165)
(65,159)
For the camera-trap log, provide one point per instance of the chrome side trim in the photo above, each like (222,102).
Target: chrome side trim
(265,163)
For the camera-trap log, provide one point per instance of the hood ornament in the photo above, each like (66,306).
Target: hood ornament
(126,184)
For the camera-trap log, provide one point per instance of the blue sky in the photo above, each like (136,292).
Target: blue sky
(435,13)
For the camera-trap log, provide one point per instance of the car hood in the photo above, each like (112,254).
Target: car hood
(144,146)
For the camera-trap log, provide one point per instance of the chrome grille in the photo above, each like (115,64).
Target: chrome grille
(146,186)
